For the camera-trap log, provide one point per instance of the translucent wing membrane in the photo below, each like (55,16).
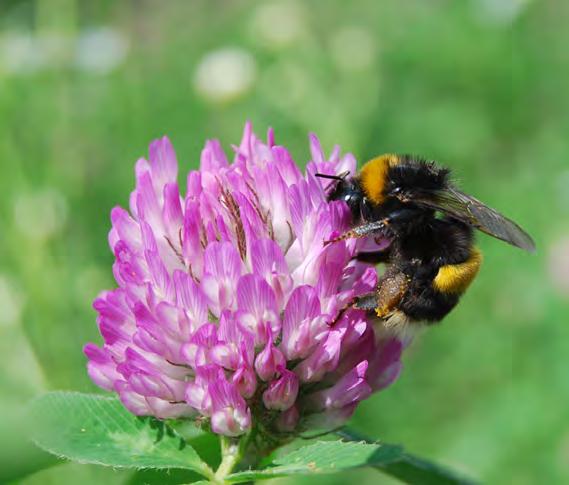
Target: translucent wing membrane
(473,212)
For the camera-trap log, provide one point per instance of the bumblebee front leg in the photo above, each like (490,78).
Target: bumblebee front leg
(396,217)
(362,230)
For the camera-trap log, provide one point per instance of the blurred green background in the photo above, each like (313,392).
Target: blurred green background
(480,85)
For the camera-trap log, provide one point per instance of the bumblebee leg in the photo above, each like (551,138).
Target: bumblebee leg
(399,216)
(386,296)
(366,302)
(390,292)
(386,299)
(341,313)
(363,230)
(383,301)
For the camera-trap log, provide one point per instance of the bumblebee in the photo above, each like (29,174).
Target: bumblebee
(424,227)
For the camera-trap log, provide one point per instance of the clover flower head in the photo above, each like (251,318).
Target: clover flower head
(227,297)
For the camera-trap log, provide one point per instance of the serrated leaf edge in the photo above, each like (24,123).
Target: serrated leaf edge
(203,470)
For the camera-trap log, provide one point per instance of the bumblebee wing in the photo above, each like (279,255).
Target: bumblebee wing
(470,210)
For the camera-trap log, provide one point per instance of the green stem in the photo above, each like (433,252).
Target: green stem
(232,450)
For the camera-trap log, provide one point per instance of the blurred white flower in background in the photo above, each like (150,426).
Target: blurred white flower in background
(20,53)
(97,50)
(353,48)
(225,74)
(100,50)
(40,214)
(501,12)
(278,24)
(11,302)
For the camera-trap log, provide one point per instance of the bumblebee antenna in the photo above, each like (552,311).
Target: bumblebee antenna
(340,177)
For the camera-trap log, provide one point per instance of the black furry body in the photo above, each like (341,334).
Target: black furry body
(419,252)
(422,239)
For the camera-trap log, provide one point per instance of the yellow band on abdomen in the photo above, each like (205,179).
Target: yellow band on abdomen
(456,278)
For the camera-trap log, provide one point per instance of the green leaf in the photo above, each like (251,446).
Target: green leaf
(323,457)
(171,476)
(334,456)
(95,429)
(411,469)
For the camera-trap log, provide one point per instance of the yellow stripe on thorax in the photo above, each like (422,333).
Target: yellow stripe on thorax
(373,176)
(455,278)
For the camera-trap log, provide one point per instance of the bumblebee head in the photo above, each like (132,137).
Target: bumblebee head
(347,190)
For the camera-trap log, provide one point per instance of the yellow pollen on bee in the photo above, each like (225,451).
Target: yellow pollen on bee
(456,278)
(373,176)
(382,311)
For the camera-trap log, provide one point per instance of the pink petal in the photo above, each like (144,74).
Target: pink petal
(134,402)
(230,414)
(163,162)
(316,149)
(172,213)
(350,389)
(147,205)
(213,157)
(385,365)
(126,227)
(190,297)
(222,269)
(257,307)
(301,325)
(101,368)
(282,392)
(269,360)
(324,359)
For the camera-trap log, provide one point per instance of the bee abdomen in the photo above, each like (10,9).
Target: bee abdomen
(428,304)
(456,278)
